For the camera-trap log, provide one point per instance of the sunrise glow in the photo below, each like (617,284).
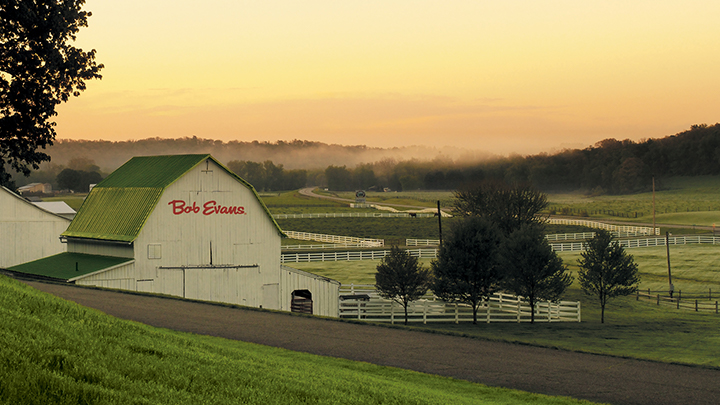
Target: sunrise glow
(510,76)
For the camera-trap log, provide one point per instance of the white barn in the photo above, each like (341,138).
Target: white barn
(184,225)
(27,232)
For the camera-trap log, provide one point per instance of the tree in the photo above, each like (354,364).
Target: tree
(530,267)
(401,278)
(467,267)
(507,206)
(606,270)
(39,69)
(69,179)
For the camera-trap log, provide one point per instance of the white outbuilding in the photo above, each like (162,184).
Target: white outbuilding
(27,232)
(187,226)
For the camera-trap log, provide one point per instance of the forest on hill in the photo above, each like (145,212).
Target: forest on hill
(608,167)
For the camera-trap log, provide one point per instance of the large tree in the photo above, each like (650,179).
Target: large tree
(467,268)
(401,278)
(531,269)
(39,69)
(508,206)
(606,270)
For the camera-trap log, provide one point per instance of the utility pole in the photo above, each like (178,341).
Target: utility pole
(667,245)
(439,214)
(653,179)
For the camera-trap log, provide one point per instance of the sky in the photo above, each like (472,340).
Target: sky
(503,77)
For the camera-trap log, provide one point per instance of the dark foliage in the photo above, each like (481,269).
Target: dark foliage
(530,268)
(267,176)
(39,69)
(509,207)
(401,278)
(606,270)
(467,269)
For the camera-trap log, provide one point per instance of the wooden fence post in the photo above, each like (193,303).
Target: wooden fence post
(658,299)
(696,305)
(456,313)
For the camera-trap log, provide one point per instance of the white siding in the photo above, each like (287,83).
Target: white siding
(121,277)
(100,248)
(27,232)
(324,292)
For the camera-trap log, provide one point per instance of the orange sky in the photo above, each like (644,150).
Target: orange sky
(498,76)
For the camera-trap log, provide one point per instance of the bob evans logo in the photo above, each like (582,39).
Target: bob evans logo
(209,208)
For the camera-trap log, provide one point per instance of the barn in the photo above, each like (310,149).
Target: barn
(184,225)
(27,232)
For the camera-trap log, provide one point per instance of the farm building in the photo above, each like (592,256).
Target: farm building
(27,232)
(186,226)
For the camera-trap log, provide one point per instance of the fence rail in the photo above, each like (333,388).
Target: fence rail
(348,256)
(683,302)
(639,243)
(644,230)
(318,237)
(362,302)
(354,215)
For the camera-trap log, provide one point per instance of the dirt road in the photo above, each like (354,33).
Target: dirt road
(547,371)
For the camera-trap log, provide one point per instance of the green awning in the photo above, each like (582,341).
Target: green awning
(66,266)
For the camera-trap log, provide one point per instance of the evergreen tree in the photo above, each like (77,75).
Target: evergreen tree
(606,270)
(531,269)
(401,278)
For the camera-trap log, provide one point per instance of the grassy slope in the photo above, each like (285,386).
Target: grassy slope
(56,352)
(638,329)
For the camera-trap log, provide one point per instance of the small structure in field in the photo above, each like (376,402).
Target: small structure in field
(187,226)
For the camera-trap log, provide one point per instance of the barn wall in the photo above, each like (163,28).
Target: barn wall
(122,277)
(172,239)
(102,249)
(27,232)
(324,292)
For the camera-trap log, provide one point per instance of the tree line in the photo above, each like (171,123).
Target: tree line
(608,167)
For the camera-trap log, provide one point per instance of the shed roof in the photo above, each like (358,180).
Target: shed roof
(118,207)
(68,266)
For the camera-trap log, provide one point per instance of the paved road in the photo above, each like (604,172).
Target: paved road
(547,371)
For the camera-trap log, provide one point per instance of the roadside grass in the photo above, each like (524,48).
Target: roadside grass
(57,352)
(634,328)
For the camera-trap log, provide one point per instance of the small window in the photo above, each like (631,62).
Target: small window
(154,251)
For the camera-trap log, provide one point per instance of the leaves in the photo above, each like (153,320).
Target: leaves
(606,270)
(39,69)
(400,277)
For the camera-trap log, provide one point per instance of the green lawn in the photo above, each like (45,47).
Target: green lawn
(638,329)
(57,352)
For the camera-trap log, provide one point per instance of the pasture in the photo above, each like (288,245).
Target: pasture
(633,328)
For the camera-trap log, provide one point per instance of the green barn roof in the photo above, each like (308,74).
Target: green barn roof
(118,207)
(66,266)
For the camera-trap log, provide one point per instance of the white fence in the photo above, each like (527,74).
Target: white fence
(354,215)
(347,256)
(643,230)
(553,238)
(639,243)
(343,240)
(362,302)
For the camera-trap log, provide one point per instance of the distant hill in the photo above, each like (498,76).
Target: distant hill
(296,154)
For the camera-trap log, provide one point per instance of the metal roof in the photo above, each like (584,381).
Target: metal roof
(118,207)
(67,266)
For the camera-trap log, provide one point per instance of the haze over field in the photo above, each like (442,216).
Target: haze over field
(498,77)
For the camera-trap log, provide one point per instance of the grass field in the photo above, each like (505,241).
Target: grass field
(678,200)
(56,352)
(637,329)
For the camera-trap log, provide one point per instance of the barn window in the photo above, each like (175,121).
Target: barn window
(301,302)
(154,251)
